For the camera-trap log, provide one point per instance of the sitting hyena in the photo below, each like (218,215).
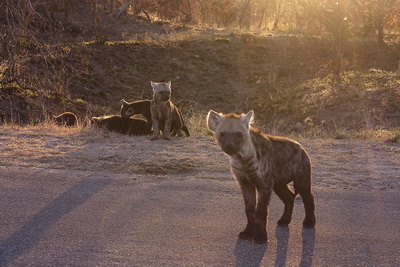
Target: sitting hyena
(262,163)
(143,107)
(163,112)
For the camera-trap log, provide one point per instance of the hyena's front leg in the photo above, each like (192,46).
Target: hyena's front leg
(156,129)
(261,214)
(249,196)
(167,127)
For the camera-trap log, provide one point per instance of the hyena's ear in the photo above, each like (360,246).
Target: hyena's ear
(213,119)
(247,119)
(169,84)
(123,102)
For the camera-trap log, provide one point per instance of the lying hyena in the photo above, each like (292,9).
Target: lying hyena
(143,107)
(137,107)
(66,119)
(115,123)
(163,112)
(262,163)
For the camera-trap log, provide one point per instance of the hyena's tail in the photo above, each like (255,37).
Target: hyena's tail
(186,130)
(184,127)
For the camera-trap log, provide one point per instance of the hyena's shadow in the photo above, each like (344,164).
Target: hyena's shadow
(282,237)
(307,249)
(249,254)
(308,243)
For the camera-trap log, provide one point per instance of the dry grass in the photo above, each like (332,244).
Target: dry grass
(363,106)
(89,148)
(196,122)
(340,164)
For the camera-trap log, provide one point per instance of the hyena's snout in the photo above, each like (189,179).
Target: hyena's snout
(231,142)
(165,95)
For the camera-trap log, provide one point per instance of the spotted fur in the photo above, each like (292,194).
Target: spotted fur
(164,112)
(143,107)
(261,164)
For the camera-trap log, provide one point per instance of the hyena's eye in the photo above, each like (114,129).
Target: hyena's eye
(239,134)
(221,134)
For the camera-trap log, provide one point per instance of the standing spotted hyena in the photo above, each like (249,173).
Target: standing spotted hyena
(163,112)
(262,163)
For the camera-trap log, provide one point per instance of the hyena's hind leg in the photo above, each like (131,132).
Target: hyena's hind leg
(287,196)
(304,189)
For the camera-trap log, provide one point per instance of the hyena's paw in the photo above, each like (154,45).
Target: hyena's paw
(246,235)
(309,223)
(153,138)
(260,238)
(283,222)
(166,135)
(180,133)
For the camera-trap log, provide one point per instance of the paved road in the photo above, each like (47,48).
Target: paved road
(56,218)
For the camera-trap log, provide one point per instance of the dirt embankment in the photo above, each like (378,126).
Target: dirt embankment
(338,164)
(286,79)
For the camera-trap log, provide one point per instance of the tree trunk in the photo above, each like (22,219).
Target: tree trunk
(123,8)
(380,16)
(242,17)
